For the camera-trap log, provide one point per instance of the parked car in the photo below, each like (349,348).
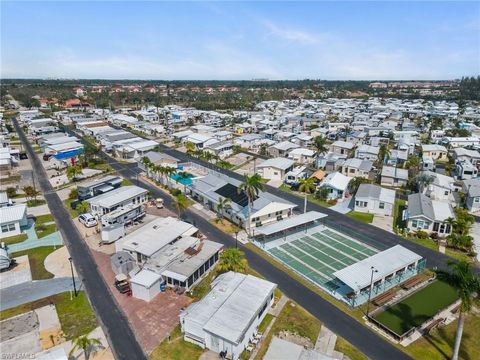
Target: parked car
(88,220)
(47,157)
(122,284)
(159,203)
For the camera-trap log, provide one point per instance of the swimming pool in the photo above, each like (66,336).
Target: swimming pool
(184,181)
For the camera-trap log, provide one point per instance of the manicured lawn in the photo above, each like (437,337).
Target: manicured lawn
(14,239)
(42,219)
(38,202)
(439,344)
(73,213)
(36,258)
(177,348)
(76,316)
(359,216)
(417,308)
(45,230)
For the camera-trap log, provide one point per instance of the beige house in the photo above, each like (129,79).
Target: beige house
(436,152)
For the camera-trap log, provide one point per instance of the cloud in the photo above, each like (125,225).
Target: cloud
(290,34)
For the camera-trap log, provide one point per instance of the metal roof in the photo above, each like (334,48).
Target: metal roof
(229,309)
(289,223)
(117,196)
(358,275)
(372,191)
(279,163)
(13,213)
(145,278)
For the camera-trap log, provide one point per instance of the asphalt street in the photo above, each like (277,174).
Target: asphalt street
(371,344)
(113,321)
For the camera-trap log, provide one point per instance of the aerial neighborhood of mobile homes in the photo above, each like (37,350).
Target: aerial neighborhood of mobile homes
(384,162)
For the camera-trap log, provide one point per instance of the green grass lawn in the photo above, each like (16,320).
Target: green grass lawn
(265,322)
(362,217)
(438,345)
(126,182)
(76,316)
(417,308)
(42,219)
(38,202)
(45,230)
(73,213)
(310,197)
(176,348)
(36,258)
(15,239)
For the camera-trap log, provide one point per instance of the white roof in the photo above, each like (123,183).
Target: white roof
(279,163)
(228,310)
(144,144)
(13,213)
(155,235)
(145,278)
(344,144)
(3,197)
(291,222)
(357,276)
(65,146)
(336,180)
(394,172)
(117,196)
(433,147)
(302,151)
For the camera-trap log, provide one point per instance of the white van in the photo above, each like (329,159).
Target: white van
(88,220)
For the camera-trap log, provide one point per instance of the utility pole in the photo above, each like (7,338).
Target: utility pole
(371,286)
(73,277)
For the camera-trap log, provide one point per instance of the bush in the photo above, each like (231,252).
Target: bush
(422,234)
(11,192)
(73,194)
(332,202)
(434,236)
(175,192)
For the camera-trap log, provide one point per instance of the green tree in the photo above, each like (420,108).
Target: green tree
(356,182)
(467,284)
(320,144)
(307,186)
(73,194)
(86,344)
(74,171)
(222,205)
(180,204)
(182,177)
(83,207)
(423,180)
(30,192)
(322,193)
(232,260)
(147,164)
(190,147)
(251,185)
(383,152)
(11,192)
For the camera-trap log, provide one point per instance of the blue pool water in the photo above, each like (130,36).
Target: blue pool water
(183,181)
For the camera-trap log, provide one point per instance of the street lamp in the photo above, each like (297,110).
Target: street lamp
(371,286)
(73,277)
(236,239)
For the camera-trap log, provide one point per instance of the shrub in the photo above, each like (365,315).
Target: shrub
(73,194)
(11,192)
(332,201)
(175,192)
(422,234)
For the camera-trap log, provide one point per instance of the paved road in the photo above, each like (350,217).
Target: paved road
(374,346)
(114,323)
(33,290)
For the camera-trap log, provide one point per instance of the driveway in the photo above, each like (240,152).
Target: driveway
(33,290)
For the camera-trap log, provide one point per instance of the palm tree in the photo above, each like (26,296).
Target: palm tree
(181,204)
(467,284)
(86,344)
(183,175)
(423,180)
(223,203)
(190,147)
(74,171)
(307,186)
(320,144)
(232,260)
(146,163)
(251,185)
(383,152)
(356,182)
(169,171)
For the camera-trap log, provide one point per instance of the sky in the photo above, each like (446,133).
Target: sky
(341,40)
